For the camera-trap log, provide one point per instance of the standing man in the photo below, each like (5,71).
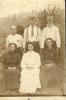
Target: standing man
(32,34)
(15,38)
(51,31)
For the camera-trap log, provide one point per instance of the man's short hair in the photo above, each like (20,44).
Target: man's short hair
(13,26)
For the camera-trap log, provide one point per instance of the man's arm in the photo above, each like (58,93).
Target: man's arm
(25,38)
(21,41)
(39,36)
(58,39)
(42,39)
(7,42)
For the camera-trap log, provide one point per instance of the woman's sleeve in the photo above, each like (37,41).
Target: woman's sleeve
(25,38)
(4,60)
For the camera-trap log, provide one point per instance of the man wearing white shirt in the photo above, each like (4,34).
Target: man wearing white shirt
(51,31)
(15,38)
(32,34)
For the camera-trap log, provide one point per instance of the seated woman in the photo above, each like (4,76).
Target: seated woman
(50,61)
(11,62)
(50,53)
(30,64)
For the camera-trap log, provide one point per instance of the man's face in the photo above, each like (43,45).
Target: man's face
(50,19)
(33,22)
(30,47)
(13,30)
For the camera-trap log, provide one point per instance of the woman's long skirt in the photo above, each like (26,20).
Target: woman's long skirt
(49,76)
(12,79)
(29,81)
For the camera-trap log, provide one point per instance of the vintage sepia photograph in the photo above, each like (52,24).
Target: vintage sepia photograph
(32,48)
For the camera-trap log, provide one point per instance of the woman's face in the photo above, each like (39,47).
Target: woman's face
(30,47)
(49,43)
(12,47)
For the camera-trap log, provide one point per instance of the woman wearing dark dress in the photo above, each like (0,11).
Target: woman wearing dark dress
(49,72)
(11,62)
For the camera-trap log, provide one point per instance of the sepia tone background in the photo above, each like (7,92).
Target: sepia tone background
(19,12)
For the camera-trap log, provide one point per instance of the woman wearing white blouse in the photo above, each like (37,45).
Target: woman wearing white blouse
(30,64)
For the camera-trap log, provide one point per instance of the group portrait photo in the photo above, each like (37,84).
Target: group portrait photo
(32,48)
